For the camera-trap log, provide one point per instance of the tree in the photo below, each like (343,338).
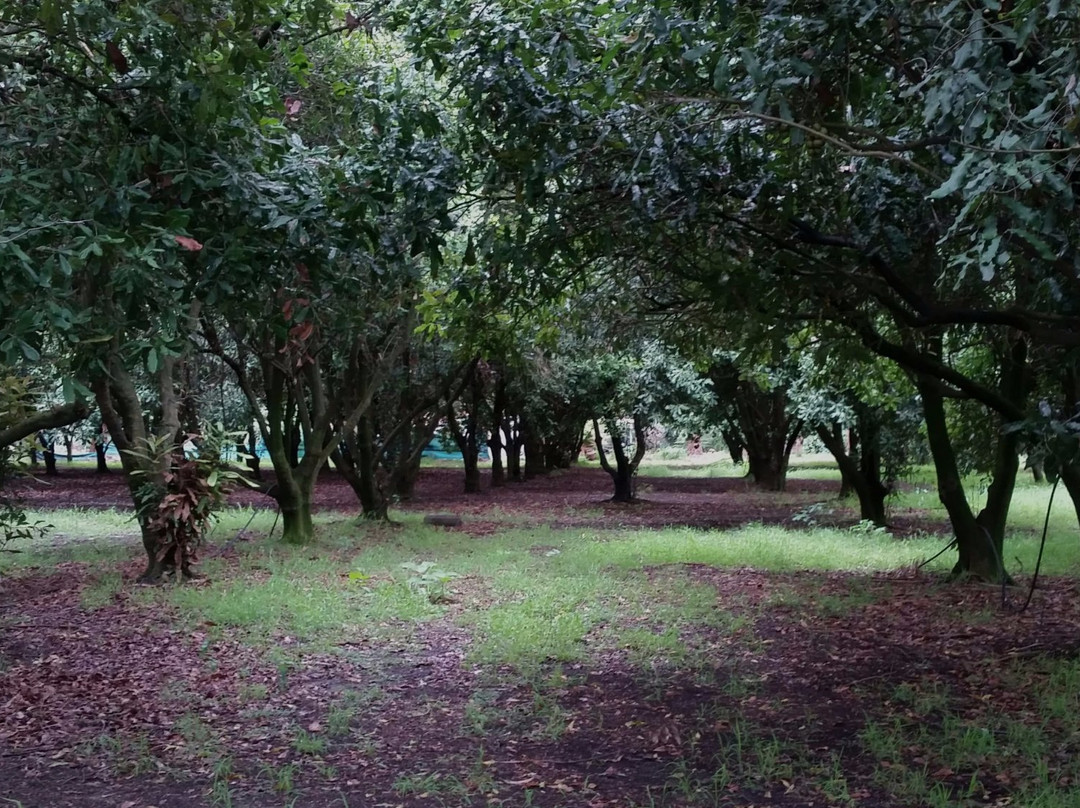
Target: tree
(829,166)
(350,232)
(866,414)
(380,458)
(754,406)
(107,266)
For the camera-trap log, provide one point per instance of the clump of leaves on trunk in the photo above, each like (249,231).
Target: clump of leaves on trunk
(15,405)
(182,503)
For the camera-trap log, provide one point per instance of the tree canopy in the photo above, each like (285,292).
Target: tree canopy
(517,220)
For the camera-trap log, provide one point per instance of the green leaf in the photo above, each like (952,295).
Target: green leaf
(956,178)
(694,54)
(29,351)
(753,65)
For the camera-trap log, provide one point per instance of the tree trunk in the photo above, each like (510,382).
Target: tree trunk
(861,477)
(769,433)
(768,468)
(513,449)
(100,449)
(121,410)
(495,439)
(404,482)
(467,438)
(624,484)
(48,454)
(736,446)
(293,446)
(625,469)
(472,472)
(1070,471)
(1070,476)
(373,502)
(252,452)
(979,544)
(535,461)
(562,448)
(357,467)
(294,502)
(498,470)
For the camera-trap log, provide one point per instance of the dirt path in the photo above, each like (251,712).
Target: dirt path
(113,707)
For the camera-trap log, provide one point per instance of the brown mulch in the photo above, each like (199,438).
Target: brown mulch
(73,678)
(571,498)
(84,694)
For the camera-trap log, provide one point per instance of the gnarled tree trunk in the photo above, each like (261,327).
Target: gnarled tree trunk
(625,468)
(979,538)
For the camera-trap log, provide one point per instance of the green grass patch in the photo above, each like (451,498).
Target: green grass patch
(102,590)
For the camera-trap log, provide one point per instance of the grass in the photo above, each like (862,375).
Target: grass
(932,752)
(102,590)
(125,753)
(535,608)
(108,535)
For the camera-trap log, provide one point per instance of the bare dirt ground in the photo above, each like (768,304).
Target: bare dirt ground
(577,497)
(93,703)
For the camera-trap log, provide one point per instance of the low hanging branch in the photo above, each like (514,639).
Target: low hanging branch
(57,417)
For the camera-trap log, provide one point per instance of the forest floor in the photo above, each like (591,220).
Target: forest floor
(698,649)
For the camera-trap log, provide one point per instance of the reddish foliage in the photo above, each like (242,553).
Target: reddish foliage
(188,243)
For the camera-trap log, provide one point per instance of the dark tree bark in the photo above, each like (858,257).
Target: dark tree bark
(757,423)
(561,450)
(860,463)
(1070,477)
(1069,467)
(512,433)
(533,444)
(317,401)
(121,410)
(380,457)
(57,417)
(735,445)
(404,483)
(48,453)
(979,538)
(466,432)
(357,462)
(101,447)
(625,469)
(252,460)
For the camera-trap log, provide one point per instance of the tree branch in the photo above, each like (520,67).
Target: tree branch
(55,418)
